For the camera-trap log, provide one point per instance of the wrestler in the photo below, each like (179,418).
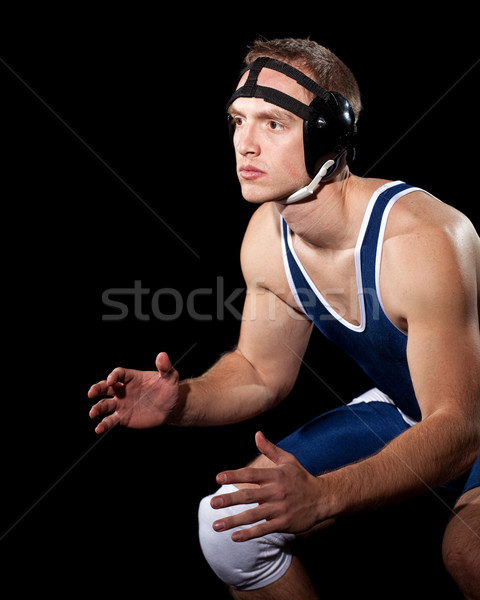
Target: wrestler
(384,270)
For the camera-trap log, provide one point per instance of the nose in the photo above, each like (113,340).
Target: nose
(246,140)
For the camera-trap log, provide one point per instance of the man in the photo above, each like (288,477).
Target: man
(384,270)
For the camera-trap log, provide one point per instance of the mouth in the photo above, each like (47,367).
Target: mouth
(249,172)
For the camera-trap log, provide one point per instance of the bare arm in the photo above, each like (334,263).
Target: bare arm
(253,378)
(441,313)
(263,368)
(243,383)
(438,301)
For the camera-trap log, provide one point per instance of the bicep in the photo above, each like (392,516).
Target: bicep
(443,348)
(444,363)
(273,335)
(273,338)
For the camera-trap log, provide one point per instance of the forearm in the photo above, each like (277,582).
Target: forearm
(429,454)
(292,500)
(230,392)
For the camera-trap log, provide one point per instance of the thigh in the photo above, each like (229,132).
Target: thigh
(344,435)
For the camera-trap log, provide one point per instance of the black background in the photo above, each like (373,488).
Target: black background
(117,168)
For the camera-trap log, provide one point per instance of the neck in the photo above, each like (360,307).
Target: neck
(327,220)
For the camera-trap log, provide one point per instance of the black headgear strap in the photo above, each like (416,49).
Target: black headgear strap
(251,89)
(328,121)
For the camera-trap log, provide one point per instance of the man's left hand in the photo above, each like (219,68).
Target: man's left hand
(288,497)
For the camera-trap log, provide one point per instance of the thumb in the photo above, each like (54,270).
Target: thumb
(164,365)
(268,449)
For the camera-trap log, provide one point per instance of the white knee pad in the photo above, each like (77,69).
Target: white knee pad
(243,565)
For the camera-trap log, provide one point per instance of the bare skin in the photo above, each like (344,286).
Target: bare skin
(435,300)
(461,544)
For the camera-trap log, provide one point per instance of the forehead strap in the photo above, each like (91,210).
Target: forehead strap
(251,89)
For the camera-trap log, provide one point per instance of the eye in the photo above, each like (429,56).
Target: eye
(275,126)
(237,121)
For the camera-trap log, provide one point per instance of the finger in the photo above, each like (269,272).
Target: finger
(105,405)
(104,387)
(99,389)
(165,366)
(246,475)
(257,531)
(118,375)
(243,496)
(247,517)
(107,423)
(268,449)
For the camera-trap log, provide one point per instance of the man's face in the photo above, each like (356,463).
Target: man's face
(268,142)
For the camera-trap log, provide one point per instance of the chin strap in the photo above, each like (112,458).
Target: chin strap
(308,190)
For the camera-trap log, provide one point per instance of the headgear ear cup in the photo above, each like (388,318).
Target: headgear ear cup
(330,133)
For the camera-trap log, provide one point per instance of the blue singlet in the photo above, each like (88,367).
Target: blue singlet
(364,426)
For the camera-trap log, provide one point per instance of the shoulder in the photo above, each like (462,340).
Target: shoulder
(431,255)
(264,223)
(261,253)
(262,241)
(422,223)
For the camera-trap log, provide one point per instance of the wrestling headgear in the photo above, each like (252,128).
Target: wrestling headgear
(328,121)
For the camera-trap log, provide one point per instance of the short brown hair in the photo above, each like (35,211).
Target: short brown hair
(318,62)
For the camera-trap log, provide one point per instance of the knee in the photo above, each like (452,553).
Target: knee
(464,567)
(461,556)
(242,565)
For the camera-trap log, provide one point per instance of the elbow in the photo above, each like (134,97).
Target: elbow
(276,388)
(274,395)
(474,445)
(468,443)
(460,433)
(281,390)
(474,434)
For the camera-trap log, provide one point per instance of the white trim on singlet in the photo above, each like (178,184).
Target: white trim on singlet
(288,273)
(376,395)
(358,267)
(381,235)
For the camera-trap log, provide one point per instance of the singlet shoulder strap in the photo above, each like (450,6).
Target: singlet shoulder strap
(370,252)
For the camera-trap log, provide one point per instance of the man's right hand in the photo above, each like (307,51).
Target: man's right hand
(137,399)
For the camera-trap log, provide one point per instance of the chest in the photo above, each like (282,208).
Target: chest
(335,279)
(342,279)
